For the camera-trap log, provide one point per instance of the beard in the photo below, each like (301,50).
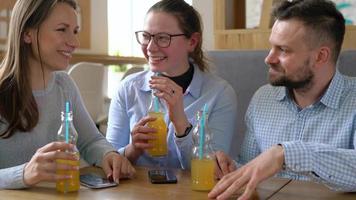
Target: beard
(302,79)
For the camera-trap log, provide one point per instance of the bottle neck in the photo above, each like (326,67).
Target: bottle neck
(66,116)
(156,105)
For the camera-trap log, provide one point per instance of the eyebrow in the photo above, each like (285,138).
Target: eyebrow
(67,25)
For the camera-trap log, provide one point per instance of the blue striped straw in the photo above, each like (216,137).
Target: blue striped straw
(202,131)
(67,121)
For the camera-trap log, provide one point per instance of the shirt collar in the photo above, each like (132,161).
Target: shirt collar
(194,88)
(331,97)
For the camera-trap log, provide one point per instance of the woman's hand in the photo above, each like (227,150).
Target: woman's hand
(43,166)
(116,166)
(173,96)
(140,137)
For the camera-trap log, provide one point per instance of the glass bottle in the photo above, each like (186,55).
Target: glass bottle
(156,109)
(72,184)
(203,159)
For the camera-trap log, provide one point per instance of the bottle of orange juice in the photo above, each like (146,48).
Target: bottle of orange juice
(156,110)
(67,133)
(203,160)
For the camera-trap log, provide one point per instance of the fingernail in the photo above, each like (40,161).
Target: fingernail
(117,180)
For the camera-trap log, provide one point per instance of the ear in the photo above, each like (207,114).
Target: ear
(323,56)
(193,41)
(28,36)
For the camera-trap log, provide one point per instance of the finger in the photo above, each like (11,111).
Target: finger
(142,130)
(61,165)
(52,177)
(116,169)
(55,146)
(132,171)
(144,137)
(224,183)
(223,163)
(232,167)
(54,155)
(144,120)
(107,168)
(250,189)
(232,188)
(218,173)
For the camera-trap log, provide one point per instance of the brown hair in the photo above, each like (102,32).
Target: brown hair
(325,23)
(18,107)
(189,21)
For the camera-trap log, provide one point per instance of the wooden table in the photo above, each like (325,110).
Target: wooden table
(137,188)
(306,190)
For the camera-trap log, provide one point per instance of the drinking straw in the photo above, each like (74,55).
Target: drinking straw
(67,121)
(155,104)
(202,131)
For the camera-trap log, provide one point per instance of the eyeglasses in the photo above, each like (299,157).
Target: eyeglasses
(162,40)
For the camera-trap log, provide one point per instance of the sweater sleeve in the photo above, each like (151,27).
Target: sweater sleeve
(12,178)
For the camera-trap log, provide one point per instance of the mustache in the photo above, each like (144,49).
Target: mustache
(276,67)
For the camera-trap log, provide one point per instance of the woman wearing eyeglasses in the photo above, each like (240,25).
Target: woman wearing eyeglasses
(171,41)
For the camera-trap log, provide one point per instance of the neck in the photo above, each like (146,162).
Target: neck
(312,93)
(39,75)
(178,71)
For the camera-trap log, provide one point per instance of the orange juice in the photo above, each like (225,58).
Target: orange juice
(159,144)
(68,185)
(202,172)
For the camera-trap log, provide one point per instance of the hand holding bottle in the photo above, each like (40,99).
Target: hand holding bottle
(43,166)
(140,137)
(173,96)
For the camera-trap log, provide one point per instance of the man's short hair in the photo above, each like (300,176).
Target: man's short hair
(320,18)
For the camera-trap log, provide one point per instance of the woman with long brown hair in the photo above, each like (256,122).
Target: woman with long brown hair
(42,38)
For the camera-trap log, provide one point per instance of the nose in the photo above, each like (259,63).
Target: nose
(272,57)
(152,45)
(73,41)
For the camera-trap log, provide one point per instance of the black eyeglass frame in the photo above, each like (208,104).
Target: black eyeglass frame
(155,40)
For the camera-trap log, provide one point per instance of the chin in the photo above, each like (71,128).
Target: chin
(156,68)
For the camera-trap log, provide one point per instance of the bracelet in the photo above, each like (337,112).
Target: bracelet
(186,132)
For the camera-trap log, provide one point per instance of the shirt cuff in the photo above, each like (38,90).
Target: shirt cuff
(297,156)
(122,151)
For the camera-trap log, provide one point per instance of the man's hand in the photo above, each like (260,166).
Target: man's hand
(116,166)
(224,163)
(250,175)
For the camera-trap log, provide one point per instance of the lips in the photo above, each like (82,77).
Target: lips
(67,54)
(156,59)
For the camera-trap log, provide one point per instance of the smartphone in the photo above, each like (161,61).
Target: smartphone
(162,176)
(96,182)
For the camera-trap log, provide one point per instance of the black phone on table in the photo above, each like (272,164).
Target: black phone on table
(157,176)
(96,182)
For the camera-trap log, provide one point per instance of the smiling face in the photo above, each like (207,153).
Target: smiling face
(57,39)
(290,59)
(172,60)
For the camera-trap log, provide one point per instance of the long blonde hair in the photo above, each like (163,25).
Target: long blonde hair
(18,108)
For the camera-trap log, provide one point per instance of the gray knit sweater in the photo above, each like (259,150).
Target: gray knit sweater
(17,150)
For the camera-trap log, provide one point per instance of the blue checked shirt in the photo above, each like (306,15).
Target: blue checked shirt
(319,140)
